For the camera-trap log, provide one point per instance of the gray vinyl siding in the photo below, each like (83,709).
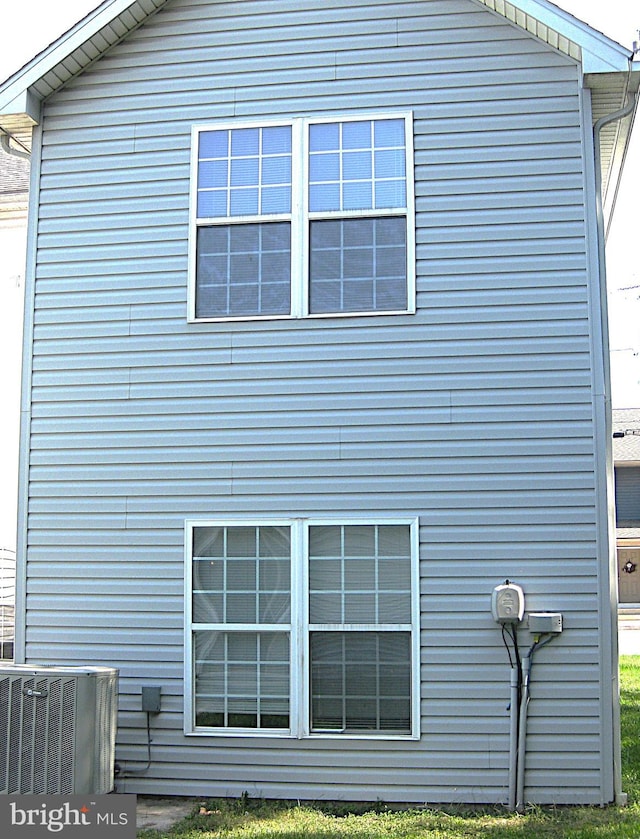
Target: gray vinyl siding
(475,413)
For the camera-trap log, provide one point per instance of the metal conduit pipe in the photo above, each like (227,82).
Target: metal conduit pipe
(522,730)
(527,662)
(514,710)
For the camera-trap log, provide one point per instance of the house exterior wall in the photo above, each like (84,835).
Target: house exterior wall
(475,414)
(627,494)
(12,289)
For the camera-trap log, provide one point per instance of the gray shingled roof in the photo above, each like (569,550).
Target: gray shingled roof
(14,175)
(626,435)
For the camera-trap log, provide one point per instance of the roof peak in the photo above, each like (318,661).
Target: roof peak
(605,63)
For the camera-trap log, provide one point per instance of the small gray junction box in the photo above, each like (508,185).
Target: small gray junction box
(151,699)
(544,622)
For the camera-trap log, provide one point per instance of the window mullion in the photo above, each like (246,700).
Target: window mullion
(228,196)
(305,670)
(299,656)
(415,634)
(226,680)
(411,215)
(259,697)
(299,223)
(343,644)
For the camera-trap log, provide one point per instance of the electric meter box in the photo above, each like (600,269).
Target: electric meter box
(544,622)
(507,603)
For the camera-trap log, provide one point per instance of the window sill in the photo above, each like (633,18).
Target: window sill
(322,316)
(253,733)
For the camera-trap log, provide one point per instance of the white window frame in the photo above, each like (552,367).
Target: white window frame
(300,217)
(299,628)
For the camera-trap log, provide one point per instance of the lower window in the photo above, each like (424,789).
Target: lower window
(303,628)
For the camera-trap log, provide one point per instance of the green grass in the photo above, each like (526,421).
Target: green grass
(246,818)
(630,726)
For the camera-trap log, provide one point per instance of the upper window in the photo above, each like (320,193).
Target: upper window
(307,218)
(301,628)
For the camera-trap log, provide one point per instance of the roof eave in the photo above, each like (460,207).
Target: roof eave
(610,92)
(21,94)
(595,51)
(19,118)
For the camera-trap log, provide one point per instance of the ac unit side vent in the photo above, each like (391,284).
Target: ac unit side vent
(57,729)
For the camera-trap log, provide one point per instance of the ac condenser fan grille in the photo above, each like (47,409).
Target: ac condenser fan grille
(57,730)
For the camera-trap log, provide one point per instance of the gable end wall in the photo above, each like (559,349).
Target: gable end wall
(475,413)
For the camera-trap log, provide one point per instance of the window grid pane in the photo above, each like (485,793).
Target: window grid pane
(358,265)
(241,575)
(243,270)
(361,681)
(242,679)
(357,165)
(244,171)
(359,574)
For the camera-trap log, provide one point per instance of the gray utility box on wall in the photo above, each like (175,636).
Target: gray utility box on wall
(545,623)
(57,729)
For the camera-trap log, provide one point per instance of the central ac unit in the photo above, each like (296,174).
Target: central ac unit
(57,729)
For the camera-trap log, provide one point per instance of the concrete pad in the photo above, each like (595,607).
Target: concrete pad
(629,630)
(629,642)
(162,813)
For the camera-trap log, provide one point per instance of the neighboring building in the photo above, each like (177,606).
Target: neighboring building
(14,198)
(315,360)
(14,191)
(626,453)
(7,601)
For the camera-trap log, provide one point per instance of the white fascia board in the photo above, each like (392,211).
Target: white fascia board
(599,53)
(84,30)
